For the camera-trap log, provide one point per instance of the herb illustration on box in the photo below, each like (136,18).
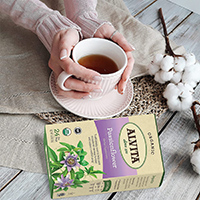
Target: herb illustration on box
(68,167)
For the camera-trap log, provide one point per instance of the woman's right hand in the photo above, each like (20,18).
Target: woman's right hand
(60,60)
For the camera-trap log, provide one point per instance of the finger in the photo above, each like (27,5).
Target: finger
(55,67)
(81,72)
(73,94)
(109,32)
(66,44)
(126,74)
(78,85)
(122,42)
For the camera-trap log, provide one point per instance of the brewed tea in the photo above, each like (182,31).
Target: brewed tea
(99,63)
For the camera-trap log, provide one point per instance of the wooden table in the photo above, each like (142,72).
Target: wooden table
(176,130)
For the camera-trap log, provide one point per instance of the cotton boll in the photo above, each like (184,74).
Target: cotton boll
(187,78)
(190,59)
(174,104)
(193,84)
(157,78)
(171,91)
(191,74)
(167,63)
(179,64)
(189,88)
(166,76)
(177,76)
(195,161)
(153,68)
(179,97)
(186,103)
(192,68)
(185,90)
(157,59)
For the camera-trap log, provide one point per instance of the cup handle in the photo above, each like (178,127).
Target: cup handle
(61,80)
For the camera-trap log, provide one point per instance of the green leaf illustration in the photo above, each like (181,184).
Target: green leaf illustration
(56,175)
(66,145)
(65,189)
(73,147)
(87,170)
(52,155)
(85,181)
(80,170)
(73,186)
(72,174)
(65,172)
(93,175)
(77,149)
(79,185)
(58,190)
(56,164)
(77,182)
(82,153)
(80,144)
(79,175)
(98,172)
(83,163)
(91,169)
(53,169)
(63,149)
(61,155)
(81,158)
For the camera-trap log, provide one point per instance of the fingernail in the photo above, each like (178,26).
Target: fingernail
(132,47)
(123,90)
(126,80)
(85,80)
(87,97)
(98,90)
(63,54)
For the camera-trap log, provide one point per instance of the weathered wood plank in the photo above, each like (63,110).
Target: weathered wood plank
(164,119)
(173,15)
(7,175)
(180,181)
(188,34)
(136,6)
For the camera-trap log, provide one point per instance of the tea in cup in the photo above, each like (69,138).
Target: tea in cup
(103,56)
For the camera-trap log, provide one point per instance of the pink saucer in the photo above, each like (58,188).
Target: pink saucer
(105,107)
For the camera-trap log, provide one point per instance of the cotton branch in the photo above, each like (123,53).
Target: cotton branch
(197,123)
(168,49)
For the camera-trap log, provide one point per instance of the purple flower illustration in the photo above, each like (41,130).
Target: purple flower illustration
(64,182)
(70,162)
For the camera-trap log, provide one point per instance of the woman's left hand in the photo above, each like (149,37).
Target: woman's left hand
(106,31)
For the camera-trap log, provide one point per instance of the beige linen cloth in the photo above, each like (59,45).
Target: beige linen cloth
(24,75)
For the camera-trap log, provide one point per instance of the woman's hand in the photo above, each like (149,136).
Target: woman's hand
(106,31)
(60,60)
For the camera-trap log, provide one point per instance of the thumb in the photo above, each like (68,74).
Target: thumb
(121,41)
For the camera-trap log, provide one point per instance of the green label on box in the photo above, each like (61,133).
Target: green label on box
(107,186)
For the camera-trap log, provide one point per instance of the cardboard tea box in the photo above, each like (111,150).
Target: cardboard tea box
(97,156)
